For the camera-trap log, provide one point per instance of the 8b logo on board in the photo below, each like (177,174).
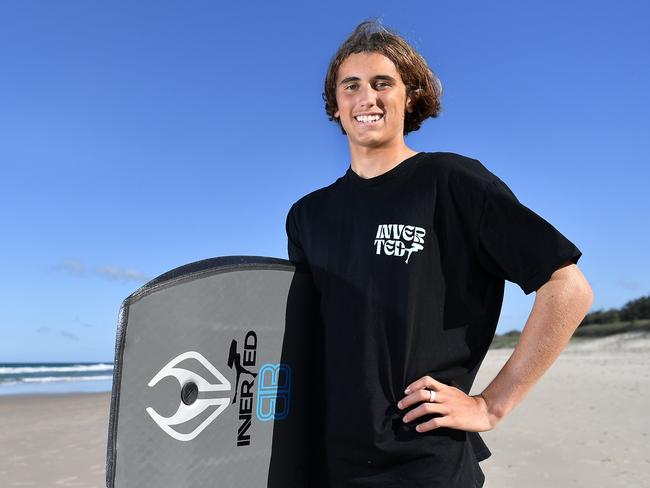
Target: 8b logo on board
(274,392)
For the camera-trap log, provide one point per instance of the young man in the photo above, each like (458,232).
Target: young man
(409,252)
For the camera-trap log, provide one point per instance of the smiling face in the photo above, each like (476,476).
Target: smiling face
(371,100)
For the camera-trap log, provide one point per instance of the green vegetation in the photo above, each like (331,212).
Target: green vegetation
(602,330)
(509,339)
(634,316)
(632,311)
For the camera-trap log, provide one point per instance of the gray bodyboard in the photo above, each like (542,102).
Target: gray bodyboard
(214,365)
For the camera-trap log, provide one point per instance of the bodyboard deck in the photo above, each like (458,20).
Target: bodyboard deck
(213,365)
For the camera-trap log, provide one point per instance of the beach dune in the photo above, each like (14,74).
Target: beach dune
(585,424)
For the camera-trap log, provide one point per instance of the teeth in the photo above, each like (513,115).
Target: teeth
(368,118)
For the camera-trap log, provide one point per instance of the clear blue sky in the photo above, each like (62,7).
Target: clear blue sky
(139,136)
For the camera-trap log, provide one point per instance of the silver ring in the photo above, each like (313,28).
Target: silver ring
(432,396)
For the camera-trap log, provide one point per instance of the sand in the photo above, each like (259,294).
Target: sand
(585,424)
(54,440)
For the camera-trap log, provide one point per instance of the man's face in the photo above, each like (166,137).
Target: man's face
(371,99)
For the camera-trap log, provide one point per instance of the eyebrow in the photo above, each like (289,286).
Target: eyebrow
(356,78)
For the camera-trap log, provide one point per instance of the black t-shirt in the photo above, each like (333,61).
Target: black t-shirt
(410,268)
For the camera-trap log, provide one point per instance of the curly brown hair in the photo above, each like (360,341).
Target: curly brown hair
(422,85)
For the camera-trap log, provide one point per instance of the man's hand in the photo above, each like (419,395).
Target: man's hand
(457,409)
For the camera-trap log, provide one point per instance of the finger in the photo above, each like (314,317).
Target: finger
(420,396)
(417,396)
(434,423)
(425,409)
(434,384)
(424,382)
(417,385)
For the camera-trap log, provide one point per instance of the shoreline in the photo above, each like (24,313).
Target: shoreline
(56,388)
(28,396)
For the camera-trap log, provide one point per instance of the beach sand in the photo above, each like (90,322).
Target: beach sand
(585,424)
(54,440)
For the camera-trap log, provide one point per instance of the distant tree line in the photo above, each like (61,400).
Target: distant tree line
(633,310)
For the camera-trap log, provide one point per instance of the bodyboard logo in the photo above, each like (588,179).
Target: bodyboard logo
(240,362)
(274,392)
(187,412)
(269,400)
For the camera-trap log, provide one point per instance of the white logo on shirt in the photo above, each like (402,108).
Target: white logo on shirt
(392,239)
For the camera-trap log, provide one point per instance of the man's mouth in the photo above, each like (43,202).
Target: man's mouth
(368,119)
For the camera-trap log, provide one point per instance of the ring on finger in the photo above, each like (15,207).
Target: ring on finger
(432,396)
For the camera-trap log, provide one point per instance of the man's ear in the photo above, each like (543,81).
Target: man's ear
(336,114)
(409,104)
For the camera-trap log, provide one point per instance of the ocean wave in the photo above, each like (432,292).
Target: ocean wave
(55,379)
(56,369)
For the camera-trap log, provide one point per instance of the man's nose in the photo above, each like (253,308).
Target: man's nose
(367,96)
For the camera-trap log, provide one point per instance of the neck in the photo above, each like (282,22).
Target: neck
(369,162)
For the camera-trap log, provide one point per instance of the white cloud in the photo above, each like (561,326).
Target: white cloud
(74,266)
(68,335)
(122,274)
(77,267)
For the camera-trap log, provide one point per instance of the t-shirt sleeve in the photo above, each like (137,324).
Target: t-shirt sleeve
(518,245)
(294,247)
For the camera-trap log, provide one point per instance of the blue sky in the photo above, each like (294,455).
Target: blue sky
(139,136)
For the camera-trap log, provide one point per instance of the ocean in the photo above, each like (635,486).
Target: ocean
(44,378)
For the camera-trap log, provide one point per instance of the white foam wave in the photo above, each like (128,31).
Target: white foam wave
(59,379)
(56,369)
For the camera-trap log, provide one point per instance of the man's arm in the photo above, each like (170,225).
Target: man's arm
(560,305)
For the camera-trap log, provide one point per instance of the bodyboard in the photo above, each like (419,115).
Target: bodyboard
(212,380)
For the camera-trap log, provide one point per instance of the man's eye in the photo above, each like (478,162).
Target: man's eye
(382,84)
(351,86)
